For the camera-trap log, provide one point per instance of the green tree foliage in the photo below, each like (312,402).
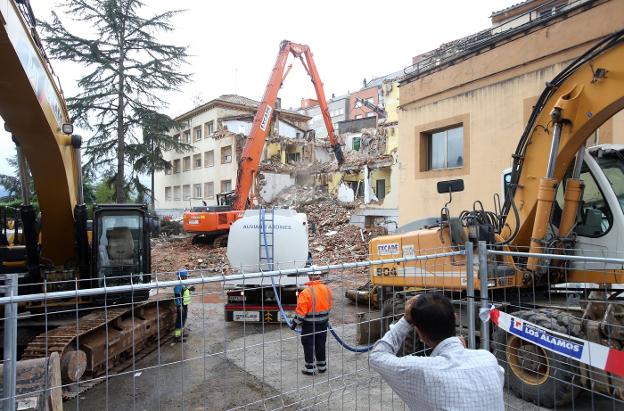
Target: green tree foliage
(147,157)
(11,182)
(129,72)
(104,192)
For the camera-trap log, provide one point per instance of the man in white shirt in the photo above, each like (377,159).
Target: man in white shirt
(453,377)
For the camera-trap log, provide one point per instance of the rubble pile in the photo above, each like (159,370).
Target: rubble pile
(172,253)
(333,239)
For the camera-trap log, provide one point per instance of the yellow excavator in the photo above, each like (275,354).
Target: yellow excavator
(60,249)
(561,197)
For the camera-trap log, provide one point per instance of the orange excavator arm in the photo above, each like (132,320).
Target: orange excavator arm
(250,158)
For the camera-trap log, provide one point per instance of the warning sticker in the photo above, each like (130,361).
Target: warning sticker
(408,250)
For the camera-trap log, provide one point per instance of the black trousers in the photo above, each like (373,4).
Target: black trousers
(181,315)
(313,339)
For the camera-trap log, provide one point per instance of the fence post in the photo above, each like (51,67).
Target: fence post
(483,286)
(10,342)
(470,294)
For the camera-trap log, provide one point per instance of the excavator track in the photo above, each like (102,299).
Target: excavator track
(111,339)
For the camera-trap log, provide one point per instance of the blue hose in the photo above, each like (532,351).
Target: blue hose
(279,302)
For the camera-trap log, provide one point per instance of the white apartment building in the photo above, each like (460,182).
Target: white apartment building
(217,131)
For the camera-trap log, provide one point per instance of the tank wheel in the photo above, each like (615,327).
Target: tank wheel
(392,311)
(532,373)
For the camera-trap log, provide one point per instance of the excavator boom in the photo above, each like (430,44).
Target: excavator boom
(35,114)
(214,222)
(587,93)
(55,250)
(250,158)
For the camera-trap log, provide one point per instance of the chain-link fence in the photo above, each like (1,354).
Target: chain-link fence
(116,347)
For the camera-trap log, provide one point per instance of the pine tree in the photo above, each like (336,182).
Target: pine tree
(147,157)
(129,73)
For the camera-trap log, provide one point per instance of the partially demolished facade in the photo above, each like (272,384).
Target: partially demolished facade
(217,130)
(294,154)
(367,177)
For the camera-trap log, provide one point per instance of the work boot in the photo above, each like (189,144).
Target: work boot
(185,334)
(180,339)
(309,370)
(321,366)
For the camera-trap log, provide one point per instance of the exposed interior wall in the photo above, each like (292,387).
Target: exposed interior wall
(273,184)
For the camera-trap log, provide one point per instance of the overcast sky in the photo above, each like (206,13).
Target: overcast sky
(234,43)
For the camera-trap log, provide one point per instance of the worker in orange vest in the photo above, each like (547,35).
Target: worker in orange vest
(313,306)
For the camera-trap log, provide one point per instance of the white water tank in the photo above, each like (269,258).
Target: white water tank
(290,241)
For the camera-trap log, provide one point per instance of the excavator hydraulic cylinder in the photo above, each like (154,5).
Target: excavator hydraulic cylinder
(545,199)
(31,235)
(572,198)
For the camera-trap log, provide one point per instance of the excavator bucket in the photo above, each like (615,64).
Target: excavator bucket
(38,384)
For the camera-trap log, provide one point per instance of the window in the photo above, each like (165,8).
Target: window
(168,168)
(176,166)
(209,190)
(197,161)
(357,187)
(359,104)
(371,114)
(226,154)
(197,134)
(176,193)
(177,138)
(197,192)
(446,148)
(294,157)
(186,192)
(355,144)
(209,158)
(168,194)
(359,116)
(186,137)
(186,163)
(226,186)
(380,189)
(209,129)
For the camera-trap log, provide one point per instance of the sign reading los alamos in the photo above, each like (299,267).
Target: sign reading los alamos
(546,339)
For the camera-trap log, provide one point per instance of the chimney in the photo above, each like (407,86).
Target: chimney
(364,83)
(333,96)
(278,103)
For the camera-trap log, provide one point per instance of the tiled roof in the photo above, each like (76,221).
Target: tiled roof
(236,99)
(232,99)
(513,6)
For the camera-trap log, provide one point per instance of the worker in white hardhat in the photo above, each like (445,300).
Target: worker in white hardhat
(182,297)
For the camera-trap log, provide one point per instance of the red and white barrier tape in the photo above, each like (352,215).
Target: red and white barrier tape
(586,352)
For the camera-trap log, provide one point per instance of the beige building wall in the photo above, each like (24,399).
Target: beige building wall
(491,95)
(214,174)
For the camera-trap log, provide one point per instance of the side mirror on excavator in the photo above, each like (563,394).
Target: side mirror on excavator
(450,186)
(455,233)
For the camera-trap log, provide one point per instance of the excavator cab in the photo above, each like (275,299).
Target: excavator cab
(121,244)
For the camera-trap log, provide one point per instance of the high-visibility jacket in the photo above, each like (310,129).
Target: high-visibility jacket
(314,303)
(182,295)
